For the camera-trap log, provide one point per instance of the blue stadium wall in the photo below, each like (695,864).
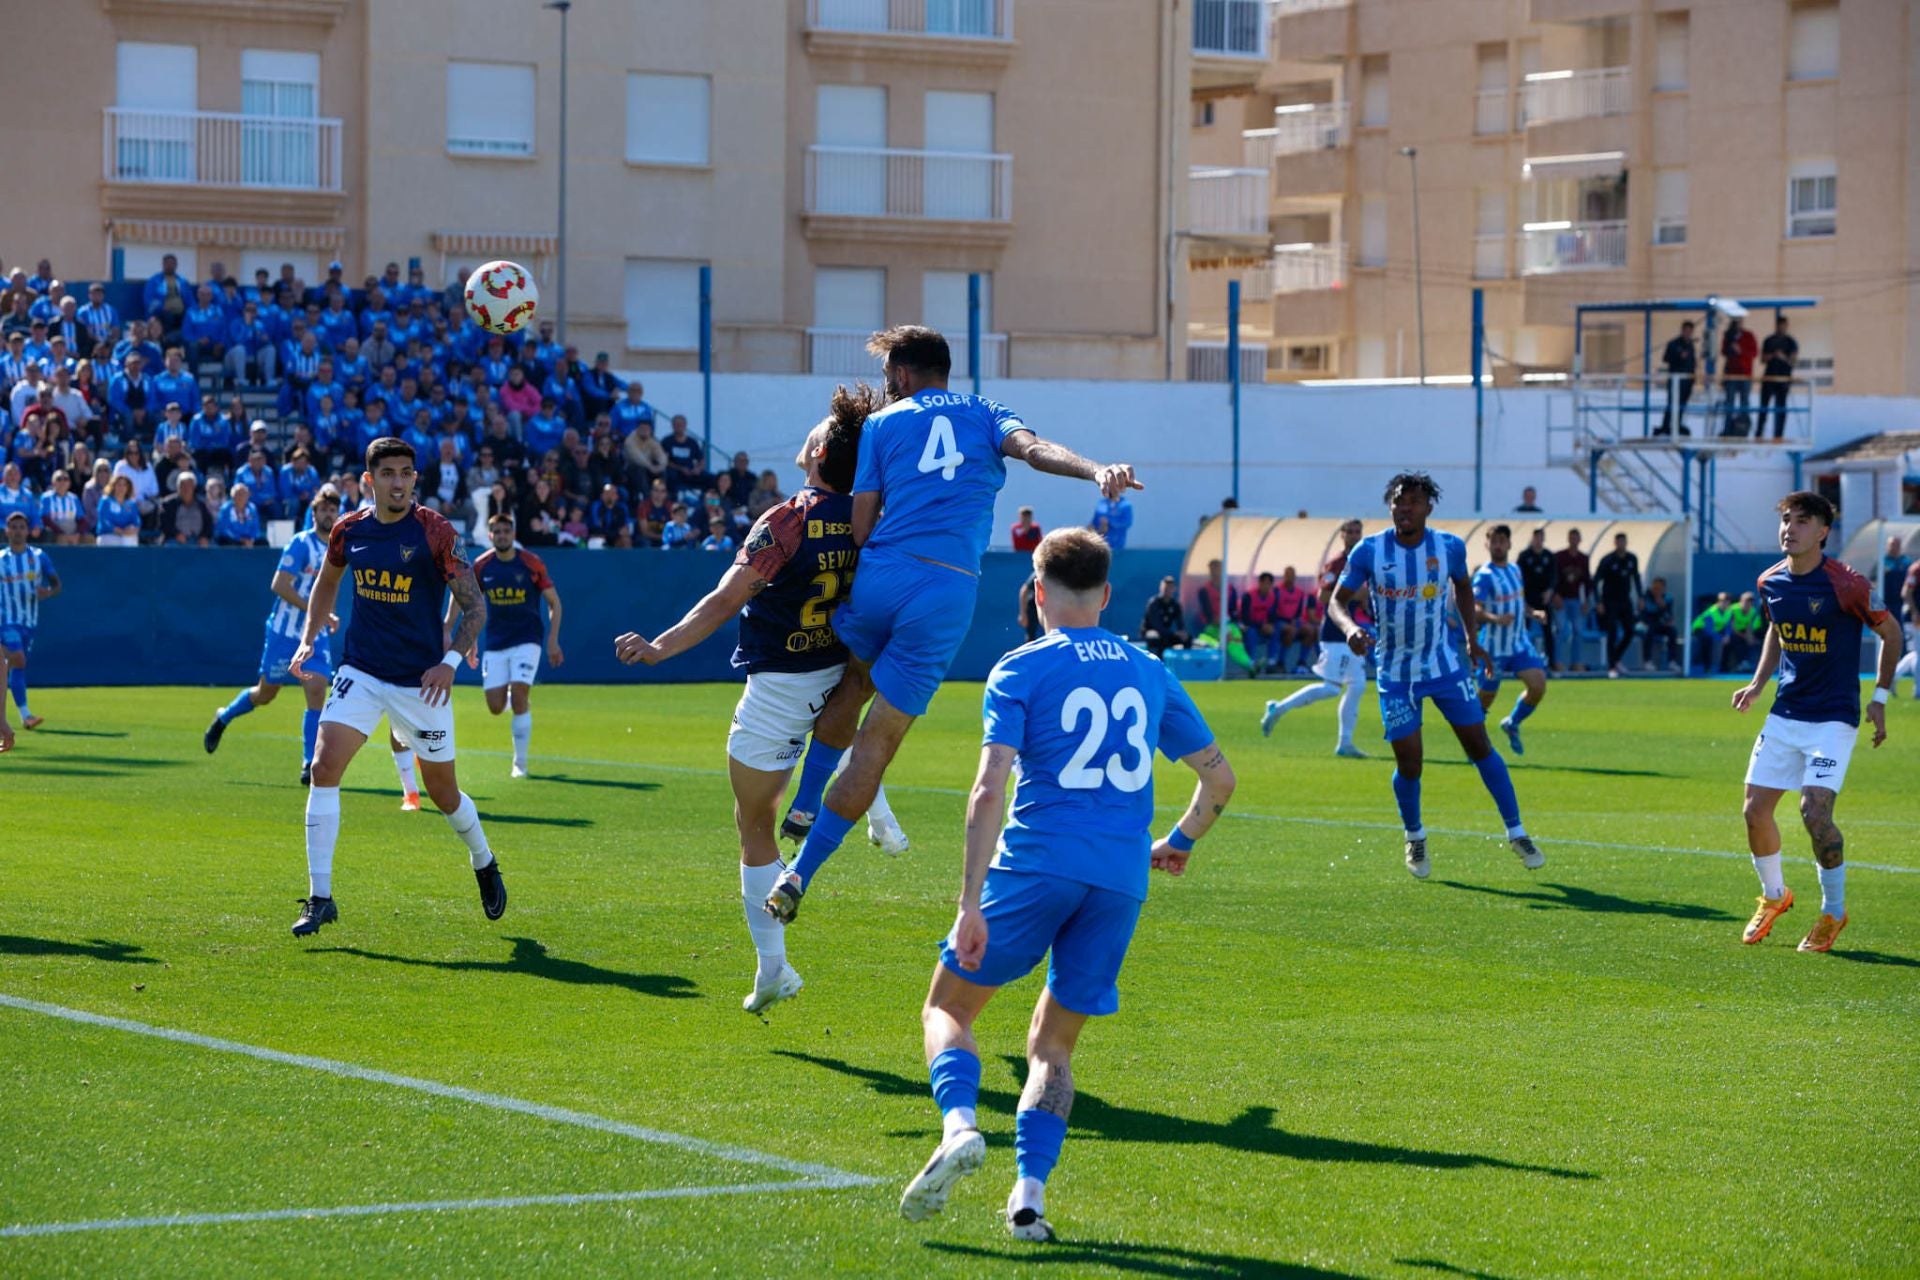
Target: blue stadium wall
(182,615)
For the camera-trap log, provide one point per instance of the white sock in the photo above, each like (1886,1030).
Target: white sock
(1772,882)
(522,731)
(465,822)
(1350,709)
(1307,695)
(1833,891)
(1516,832)
(769,935)
(1418,833)
(879,810)
(957,1120)
(1028,1193)
(323,831)
(403,765)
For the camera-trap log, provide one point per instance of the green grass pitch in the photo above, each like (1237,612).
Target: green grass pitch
(1321,1067)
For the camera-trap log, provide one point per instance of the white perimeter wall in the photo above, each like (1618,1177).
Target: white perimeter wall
(1325,451)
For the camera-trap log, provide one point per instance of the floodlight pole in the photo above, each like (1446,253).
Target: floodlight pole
(560,240)
(1419,293)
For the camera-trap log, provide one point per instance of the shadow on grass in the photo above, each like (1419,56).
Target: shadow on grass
(1142,1259)
(614,784)
(532,820)
(1566,897)
(44,732)
(1594,770)
(1444,1268)
(1252,1130)
(1876,957)
(531,959)
(13,944)
(95,761)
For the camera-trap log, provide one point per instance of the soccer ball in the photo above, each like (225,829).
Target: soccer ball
(501,297)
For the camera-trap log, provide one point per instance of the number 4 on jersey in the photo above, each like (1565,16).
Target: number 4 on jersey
(942,452)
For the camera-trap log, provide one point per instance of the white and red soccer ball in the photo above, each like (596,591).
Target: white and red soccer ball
(501,297)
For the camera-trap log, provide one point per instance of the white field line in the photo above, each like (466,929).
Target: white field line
(410,1206)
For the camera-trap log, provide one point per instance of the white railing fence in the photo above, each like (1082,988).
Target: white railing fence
(1227,202)
(1549,247)
(1307,6)
(1298,268)
(1207,362)
(961,19)
(1309,127)
(891,182)
(844,352)
(1576,95)
(221,149)
(1230,28)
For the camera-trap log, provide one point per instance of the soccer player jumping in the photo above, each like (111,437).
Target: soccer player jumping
(934,459)
(1816,609)
(1410,571)
(1081,712)
(400,554)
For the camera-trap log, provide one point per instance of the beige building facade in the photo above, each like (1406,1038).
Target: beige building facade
(1566,151)
(839,164)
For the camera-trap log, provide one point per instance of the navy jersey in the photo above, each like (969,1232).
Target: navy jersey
(513,589)
(399,573)
(804,548)
(1086,711)
(935,460)
(1820,617)
(1412,592)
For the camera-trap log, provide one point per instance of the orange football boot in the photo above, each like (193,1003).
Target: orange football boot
(1824,931)
(410,802)
(1769,910)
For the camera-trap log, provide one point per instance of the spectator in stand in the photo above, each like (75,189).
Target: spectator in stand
(1209,607)
(633,411)
(1297,625)
(1165,624)
(718,538)
(173,461)
(646,460)
(1749,626)
(1529,502)
(600,387)
(174,384)
(605,466)
(743,480)
(1573,584)
(166,295)
(185,520)
(17,495)
(98,486)
(1112,518)
(100,316)
(19,318)
(238,522)
(204,330)
(258,441)
(443,486)
(336,324)
(507,451)
(133,464)
(765,496)
(484,474)
(210,435)
(29,453)
(131,398)
(73,403)
(378,348)
(544,431)
(250,355)
(562,384)
(1680,360)
(686,459)
(1259,618)
(299,480)
(1617,600)
(1026,533)
(677,534)
(609,518)
(1029,614)
(1737,351)
(172,425)
(1657,627)
(1781,353)
(299,365)
(60,512)
(1712,630)
(261,483)
(116,523)
(214,494)
(656,513)
(67,325)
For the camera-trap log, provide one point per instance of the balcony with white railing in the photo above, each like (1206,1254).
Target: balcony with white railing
(1550,248)
(1302,268)
(1312,126)
(934,20)
(843,353)
(1207,361)
(1547,96)
(1282,8)
(897,184)
(1227,202)
(220,149)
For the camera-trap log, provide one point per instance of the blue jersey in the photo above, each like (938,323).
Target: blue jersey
(1820,617)
(399,573)
(935,461)
(302,559)
(1499,589)
(1086,711)
(513,590)
(1412,590)
(22,574)
(804,548)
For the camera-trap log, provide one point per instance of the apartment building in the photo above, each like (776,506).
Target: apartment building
(1565,151)
(839,164)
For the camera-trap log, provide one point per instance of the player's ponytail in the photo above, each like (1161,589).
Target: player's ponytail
(846,418)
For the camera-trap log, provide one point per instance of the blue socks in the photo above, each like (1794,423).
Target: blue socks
(17,681)
(310,733)
(1037,1136)
(1521,710)
(829,829)
(241,704)
(815,772)
(955,1074)
(1499,784)
(1406,792)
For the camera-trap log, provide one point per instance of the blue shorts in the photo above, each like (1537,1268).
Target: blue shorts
(15,638)
(278,652)
(906,619)
(1087,930)
(1511,665)
(1455,696)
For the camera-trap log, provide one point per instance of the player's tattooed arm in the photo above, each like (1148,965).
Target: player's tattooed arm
(473,610)
(1057,460)
(1211,793)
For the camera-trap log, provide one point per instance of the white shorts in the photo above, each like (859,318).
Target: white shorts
(1340,665)
(1792,755)
(516,665)
(358,700)
(775,715)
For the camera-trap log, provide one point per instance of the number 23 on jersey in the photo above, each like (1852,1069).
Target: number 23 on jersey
(1129,709)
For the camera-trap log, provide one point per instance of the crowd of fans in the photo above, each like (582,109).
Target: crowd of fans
(226,404)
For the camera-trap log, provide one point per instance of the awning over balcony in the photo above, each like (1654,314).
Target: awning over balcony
(1593,164)
(226,235)
(495,244)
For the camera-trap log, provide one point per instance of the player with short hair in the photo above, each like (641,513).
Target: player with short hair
(1500,598)
(1343,673)
(26,578)
(514,581)
(292,584)
(1414,576)
(1816,609)
(935,459)
(400,554)
(1080,713)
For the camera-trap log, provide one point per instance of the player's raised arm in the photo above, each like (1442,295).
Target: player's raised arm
(986,809)
(740,584)
(1057,460)
(1210,795)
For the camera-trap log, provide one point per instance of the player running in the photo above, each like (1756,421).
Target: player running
(26,578)
(1343,673)
(292,584)
(1415,575)
(1080,712)
(934,459)
(1502,612)
(514,582)
(1816,609)
(399,554)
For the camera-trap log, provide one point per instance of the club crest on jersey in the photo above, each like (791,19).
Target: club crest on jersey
(759,540)
(406,552)
(1813,605)
(1433,564)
